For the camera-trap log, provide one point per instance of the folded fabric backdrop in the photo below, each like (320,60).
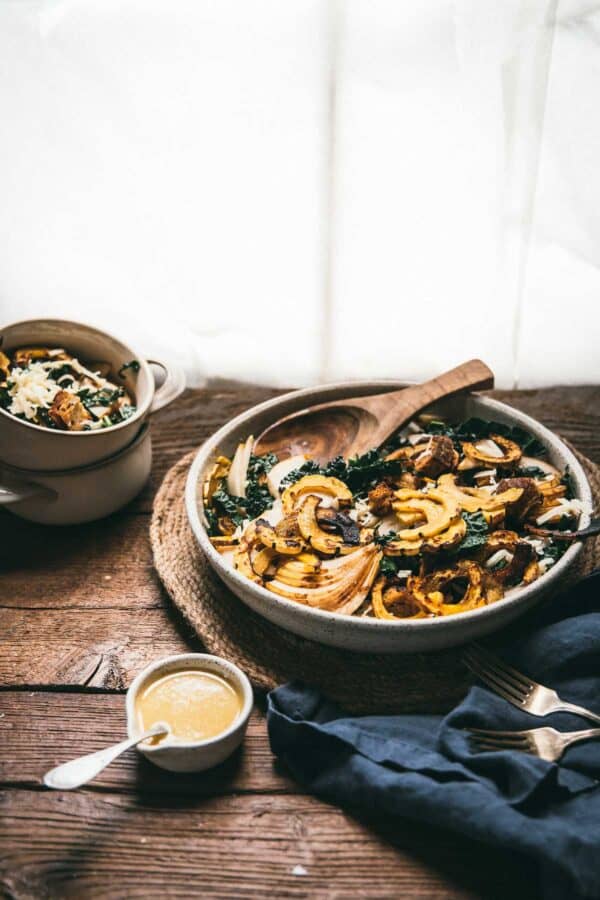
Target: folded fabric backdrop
(423,768)
(292,192)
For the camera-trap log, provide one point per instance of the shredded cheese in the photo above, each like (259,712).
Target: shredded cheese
(565,507)
(31,388)
(499,556)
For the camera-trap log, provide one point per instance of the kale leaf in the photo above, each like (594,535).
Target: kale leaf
(261,465)
(360,473)
(384,539)
(211,520)
(388,567)
(133,364)
(554,549)
(257,499)
(5,396)
(569,483)
(60,371)
(227,505)
(477,532)
(310,467)
(103,397)
(364,472)
(531,472)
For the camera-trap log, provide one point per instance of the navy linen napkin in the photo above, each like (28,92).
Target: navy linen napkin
(422,767)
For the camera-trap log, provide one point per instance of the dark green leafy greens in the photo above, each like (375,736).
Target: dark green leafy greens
(258,497)
(60,372)
(133,366)
(360,473)
(477,532)
(553,549)
(388,567)
(384,539)
(531,472)
(569,483)
(261,465)
(5,395)
(211,521)
(228,505)
(307,468)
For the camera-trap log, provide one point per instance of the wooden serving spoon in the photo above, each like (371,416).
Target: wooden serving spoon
(352,426)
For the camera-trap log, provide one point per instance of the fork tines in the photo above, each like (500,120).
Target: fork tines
(500,677)
(486,739)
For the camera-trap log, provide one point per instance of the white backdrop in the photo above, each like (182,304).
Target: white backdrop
(294,191)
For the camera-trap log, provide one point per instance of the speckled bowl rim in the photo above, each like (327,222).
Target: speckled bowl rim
(518,596)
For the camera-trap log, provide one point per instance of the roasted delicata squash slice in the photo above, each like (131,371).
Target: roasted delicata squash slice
(393,602)
(512,560)
(319,540)
(242,563)
(263,560)
(435,519)
(493,451)
(493,506)
(460,588)
(216,474)
(341,586)
(25,355)
(319,485)
(224,542)
(293,571)
(226,525)
(286,546)
(4,366)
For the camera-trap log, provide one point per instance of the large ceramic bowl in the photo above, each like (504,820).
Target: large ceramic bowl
(370,634)
(29,446)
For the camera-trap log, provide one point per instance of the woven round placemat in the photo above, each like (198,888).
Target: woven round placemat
(431,682)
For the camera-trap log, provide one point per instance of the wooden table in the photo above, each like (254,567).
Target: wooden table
(83,611)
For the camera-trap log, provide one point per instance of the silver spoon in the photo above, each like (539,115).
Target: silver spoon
(81,770)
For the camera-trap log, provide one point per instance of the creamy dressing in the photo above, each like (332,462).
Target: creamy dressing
(196,705)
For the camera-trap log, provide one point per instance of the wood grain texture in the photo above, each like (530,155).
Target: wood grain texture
(39,730)
(94,566)
(91,648)
(109,845)
(81,610)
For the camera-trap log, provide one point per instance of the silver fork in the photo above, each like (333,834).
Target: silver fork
(547,743)
(520,690)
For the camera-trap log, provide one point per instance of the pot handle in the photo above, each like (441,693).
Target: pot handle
(172,386)
(13,489)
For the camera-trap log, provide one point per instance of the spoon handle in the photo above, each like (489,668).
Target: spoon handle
(395,409)
(79,771)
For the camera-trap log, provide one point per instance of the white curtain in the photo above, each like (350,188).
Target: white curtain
(288,192)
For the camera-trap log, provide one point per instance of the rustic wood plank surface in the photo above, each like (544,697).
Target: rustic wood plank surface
(81,611)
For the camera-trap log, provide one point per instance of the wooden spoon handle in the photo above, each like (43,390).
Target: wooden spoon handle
(398,407)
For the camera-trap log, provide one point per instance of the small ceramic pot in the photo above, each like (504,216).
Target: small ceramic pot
(73,496)
(33,447)
(191,756)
